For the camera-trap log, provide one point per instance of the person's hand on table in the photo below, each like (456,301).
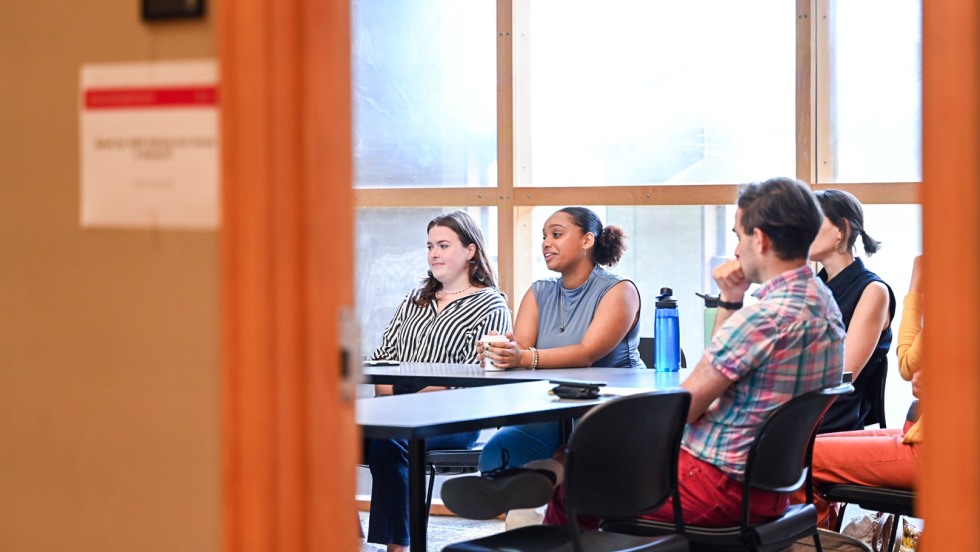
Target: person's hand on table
(503,355)
(481,350)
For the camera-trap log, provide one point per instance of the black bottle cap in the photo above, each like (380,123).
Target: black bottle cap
(710,301)
(666,300)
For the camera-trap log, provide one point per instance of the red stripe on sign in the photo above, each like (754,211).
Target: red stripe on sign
(128,98)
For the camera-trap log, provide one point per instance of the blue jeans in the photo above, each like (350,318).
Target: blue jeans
(523,443)
(388,460)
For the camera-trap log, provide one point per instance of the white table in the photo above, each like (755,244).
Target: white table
(471,375)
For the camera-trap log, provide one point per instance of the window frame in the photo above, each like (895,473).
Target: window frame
(514,203)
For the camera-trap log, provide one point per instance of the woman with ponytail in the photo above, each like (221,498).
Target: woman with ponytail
(866,302)
(586,316)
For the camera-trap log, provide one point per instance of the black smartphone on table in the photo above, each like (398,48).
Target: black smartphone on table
(381,362)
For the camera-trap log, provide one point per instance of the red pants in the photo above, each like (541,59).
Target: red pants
(873,457)
(709,497)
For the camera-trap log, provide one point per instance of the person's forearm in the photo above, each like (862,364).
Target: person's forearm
(721,316)
(570,356)
(732,286)
(909,349)
(857,353)
(705,385)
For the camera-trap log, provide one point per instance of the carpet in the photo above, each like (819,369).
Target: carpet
(445,530)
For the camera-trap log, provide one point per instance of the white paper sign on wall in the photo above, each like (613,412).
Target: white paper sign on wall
(149,145)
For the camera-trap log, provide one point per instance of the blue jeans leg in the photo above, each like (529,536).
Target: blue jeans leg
(523,443)
(388,460)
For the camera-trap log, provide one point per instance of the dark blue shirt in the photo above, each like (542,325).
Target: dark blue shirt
(849,411)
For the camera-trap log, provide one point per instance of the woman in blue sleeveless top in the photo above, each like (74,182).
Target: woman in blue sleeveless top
(866,303)
(585,317)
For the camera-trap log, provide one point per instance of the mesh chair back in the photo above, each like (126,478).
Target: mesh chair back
(779,457)
(622,456)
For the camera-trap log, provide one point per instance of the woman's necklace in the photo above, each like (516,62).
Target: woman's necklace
(561,310)
(448,293)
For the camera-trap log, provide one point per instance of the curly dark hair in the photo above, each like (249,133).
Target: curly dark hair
(610,241)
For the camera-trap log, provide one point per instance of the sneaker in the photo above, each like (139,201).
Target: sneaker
(524,517)
(494,493)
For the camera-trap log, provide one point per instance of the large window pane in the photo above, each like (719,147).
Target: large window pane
(877,91)
(424,76)
(391,260)
(638,92)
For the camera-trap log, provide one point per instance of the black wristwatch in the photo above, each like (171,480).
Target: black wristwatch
(729,306)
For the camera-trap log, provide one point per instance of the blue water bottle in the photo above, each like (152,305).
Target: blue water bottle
(666,333)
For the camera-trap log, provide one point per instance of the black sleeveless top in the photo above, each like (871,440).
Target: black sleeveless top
(848,412)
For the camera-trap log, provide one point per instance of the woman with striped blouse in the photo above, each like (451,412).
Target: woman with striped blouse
(440,321)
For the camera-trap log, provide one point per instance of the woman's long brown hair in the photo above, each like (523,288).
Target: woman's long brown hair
(481,273)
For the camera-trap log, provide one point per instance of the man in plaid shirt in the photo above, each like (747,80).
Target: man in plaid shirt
(761,355)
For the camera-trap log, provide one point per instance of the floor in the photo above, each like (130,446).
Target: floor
(445,530)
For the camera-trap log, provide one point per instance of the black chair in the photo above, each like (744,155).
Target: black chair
(876,396)
(779,461)
(621,461)
(449,462)
(645,348)
(879,499)
(446,462)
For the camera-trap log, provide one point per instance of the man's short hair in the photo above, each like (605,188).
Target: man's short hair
(786,211)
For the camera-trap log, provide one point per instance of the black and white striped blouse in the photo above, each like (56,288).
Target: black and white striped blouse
(420,334)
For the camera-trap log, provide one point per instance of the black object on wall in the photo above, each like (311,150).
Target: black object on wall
(172,9)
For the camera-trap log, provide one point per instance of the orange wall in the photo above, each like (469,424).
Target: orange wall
(109,393)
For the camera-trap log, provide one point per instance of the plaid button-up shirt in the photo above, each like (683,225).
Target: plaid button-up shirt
(788,343)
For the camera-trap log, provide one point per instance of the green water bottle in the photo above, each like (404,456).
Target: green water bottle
(710,311)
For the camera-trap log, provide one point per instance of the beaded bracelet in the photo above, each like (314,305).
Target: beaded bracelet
(534,359)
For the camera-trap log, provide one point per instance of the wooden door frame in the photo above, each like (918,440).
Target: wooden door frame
(949,478)
(288,430)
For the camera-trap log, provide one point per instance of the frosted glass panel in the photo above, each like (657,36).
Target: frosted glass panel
(424,93)
(637,92)
(877,91)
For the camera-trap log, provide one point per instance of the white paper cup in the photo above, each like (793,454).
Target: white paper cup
(488,364)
